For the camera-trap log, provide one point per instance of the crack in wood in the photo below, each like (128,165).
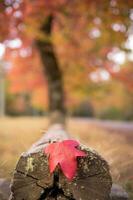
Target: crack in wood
(54,191)
(34,179)
(86,177)
(27,175)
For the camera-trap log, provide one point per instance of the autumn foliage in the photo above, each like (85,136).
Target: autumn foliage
(83,35)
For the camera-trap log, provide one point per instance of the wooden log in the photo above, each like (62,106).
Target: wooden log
(4,189)
(33,181)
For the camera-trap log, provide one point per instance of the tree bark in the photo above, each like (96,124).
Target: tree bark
(53,73)
(33,181)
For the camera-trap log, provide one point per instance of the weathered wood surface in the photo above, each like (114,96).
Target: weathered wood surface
(117,192)
(4,189)
(32,180)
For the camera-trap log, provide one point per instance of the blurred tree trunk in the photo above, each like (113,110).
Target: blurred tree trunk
(53,73)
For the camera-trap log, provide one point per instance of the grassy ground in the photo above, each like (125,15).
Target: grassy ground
(17,134)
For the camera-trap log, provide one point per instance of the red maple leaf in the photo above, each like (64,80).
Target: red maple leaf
(64,154)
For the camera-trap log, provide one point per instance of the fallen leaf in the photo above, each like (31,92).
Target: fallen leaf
(64,154)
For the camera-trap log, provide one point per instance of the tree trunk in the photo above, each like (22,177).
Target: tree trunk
(52,72)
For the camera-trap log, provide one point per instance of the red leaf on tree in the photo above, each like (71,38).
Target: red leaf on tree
(64,154)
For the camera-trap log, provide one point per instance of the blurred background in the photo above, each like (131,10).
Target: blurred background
(73,60)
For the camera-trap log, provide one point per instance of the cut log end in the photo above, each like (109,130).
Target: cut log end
(33,181)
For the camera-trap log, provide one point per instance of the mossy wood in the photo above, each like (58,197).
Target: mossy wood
(33,181)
